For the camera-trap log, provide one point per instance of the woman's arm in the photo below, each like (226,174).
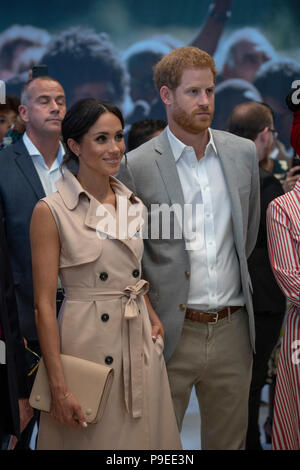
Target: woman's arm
(157,326)
(283,253)
(45,249)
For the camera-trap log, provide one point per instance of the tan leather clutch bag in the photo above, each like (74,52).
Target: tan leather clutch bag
(89,382)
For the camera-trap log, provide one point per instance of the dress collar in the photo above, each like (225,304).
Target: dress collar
(70,189)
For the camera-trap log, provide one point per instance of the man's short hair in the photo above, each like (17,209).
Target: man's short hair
(249,119)
(275,77)
(226,52)
(142,131)
(229,94)
(25,94)
(168,71)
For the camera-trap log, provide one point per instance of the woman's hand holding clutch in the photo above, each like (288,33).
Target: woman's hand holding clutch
(66,409)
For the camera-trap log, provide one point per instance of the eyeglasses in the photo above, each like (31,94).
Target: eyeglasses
(275,133)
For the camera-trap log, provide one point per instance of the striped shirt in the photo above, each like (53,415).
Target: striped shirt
(283,223)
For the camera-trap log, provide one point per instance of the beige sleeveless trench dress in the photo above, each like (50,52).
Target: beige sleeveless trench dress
(104,319)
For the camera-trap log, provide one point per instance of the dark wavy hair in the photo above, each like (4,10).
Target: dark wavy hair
(80,55)
(80,118)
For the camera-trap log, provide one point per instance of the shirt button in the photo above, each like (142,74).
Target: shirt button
(182,306)
(105,317)
(187,273)
(109,360)
(103,276)
(136,273)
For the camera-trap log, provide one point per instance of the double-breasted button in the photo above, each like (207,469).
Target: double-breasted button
(105,317)
(135,273)
(187,273)
(109,360)
(182,306)
(103,276)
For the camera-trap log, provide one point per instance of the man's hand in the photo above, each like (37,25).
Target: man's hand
(291,179)
(26,413)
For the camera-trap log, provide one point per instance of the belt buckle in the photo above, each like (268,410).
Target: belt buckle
(216,317)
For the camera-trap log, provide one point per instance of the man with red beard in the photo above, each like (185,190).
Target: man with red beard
(199,281)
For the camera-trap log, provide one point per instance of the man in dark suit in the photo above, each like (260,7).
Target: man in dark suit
(29,171)
(255,121)
(15,411)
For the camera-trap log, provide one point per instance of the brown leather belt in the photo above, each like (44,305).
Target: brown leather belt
(204,317)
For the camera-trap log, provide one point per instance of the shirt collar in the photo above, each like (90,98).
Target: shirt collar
(178,147)
(70,189)
(34,152)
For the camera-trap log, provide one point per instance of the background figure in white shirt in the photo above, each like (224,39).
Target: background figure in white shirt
(29,170)
(199,283)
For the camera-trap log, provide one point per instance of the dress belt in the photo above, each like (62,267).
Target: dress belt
(132,336)
(213,317)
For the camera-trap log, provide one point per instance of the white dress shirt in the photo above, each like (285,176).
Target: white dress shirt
(215,274)
(48,176)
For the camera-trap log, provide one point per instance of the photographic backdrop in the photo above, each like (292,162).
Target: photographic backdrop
(107,48)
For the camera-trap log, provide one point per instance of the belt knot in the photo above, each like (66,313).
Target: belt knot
(132,293)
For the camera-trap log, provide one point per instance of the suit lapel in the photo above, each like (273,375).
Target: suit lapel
(226,153)
(24,162)
(167,166)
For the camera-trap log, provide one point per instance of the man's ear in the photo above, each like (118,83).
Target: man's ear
(166,95)
(263,134)
(23,112)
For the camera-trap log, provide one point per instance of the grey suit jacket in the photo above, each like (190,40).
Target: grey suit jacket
(151,174)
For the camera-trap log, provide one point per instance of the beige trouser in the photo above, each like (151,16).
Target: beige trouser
(217,360)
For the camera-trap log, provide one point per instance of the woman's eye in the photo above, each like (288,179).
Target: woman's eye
(101,138)
(119,137)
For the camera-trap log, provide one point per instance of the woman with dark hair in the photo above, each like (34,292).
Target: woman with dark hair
(82,232)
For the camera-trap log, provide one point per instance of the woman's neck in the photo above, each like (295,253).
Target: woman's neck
(97,186)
